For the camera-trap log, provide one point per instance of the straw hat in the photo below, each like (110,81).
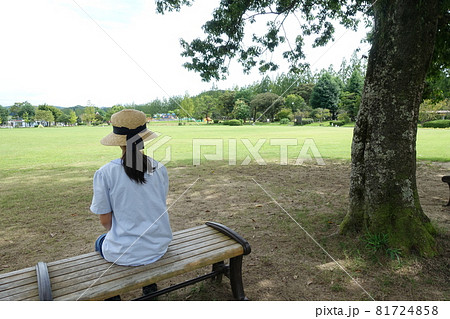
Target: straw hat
(127,120)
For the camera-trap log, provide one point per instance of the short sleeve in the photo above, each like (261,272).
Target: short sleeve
(101,203)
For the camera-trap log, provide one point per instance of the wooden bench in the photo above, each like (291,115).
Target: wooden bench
(90,277)
(446,179)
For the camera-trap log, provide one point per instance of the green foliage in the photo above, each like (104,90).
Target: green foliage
(205,105)
(26,107)
(428,110)
(241,110)
(3,114)
(379,243)
(307,121)
(326,94)
(437,84)
(321,114)
(89,115)
(186,108)
(376,242)
(228,98)
(14,110)
(72,117)
(285,121)
(437,124)
(337,123)
(55,111)
(233,122)
(284,114)
(304,121)
(267,103)
(347,69)
(294,102)
(350,103)
(343,117)
(304,90)
(437,87)
(225,33)
(44,115)
(355,83)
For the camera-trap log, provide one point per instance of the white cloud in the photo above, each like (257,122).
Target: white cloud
(52,52)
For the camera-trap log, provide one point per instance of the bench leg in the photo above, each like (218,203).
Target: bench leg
(236,278)
(218,267)
(146,290)
(115,298)
(448,204)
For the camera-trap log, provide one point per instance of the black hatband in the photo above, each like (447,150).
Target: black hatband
(120,130)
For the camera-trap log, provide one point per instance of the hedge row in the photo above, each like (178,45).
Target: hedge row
(232,122)
(304,121)
(437,124)
(337,123)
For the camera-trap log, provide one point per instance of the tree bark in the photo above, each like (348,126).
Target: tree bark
(383,190)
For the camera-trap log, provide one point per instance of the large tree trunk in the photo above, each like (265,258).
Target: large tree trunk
(383,191)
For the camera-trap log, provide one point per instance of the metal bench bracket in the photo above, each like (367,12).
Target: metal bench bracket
(43,279)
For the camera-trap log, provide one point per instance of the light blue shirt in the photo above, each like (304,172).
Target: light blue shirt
(140,232)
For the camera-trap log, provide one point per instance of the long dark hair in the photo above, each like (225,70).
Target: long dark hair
(136,164)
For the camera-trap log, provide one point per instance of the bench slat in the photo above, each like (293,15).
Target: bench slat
(91,274)
(100,264)
(26,295)
(116,272)
(108,288)
(17,284)
(6,277)
(17,277)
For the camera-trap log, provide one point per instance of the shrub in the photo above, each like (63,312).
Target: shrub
(234,122)
(284,121)
(344,118)
(437,124)
(216,121)
(283,114)
(307,121)
(337,123)
(304,121)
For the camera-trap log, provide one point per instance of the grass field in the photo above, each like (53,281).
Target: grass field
(46,189)
(59,147)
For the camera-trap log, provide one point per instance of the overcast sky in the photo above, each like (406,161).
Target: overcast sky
(66,52)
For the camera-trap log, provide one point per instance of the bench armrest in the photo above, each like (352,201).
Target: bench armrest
(232,234)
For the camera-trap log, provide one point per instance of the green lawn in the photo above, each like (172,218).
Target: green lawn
(46,190)
(68,146)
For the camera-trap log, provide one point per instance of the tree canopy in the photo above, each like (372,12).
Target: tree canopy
(224,33)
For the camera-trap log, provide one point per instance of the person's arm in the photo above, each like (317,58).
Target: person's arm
(106,220)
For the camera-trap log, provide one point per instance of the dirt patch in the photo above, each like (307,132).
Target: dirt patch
(289,214)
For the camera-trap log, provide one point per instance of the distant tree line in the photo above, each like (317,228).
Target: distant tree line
(322,96)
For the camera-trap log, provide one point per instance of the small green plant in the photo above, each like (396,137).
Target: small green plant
(394,253)
(337,287)
(379,243)
(376,242)
(284,121)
